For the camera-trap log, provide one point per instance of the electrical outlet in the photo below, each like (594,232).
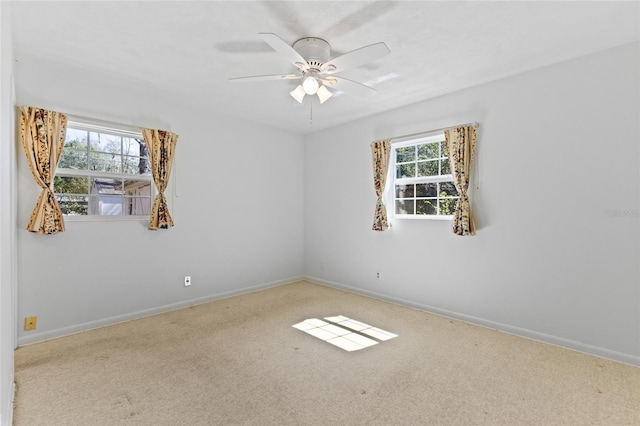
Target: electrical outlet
(378,276)
(30,323)
(187,281)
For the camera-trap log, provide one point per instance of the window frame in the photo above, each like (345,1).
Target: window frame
(392,181)
(110,129)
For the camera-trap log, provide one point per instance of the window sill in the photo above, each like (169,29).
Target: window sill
(85,218)
(422,217)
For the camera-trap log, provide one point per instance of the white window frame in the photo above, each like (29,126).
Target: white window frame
(392,181)
(112,129)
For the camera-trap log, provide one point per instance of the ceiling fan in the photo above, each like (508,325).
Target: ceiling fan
(311,57)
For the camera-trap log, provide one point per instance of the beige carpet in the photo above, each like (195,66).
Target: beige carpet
(239,361)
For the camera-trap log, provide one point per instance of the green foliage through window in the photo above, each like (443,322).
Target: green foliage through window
(423,184)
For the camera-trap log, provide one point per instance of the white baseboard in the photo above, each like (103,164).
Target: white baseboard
(506,328)
(77,328)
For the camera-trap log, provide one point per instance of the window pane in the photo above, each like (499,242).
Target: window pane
(73,204)
(445,168)
(443,150)
(105,163)
(94,140)
(448,206)
(73,158)
(138,197)
(404,206)
(426,189)
(74,152)
(427,151)
(106,186)
(70,185)
(106,143)
(136,165)
(105,205)
(405,154)
(448,189)
(426,206)
(406,170)
(134,147)
(137,206)
(428,168)
(404,191)
(137,187)
(78,137)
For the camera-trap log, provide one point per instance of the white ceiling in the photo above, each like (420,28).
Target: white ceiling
(191,48)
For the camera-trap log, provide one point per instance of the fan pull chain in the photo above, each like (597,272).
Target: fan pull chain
(311,112)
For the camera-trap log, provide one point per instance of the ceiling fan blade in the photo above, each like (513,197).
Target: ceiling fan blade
(355,58)
(349,86)
(268,77)
(281,46)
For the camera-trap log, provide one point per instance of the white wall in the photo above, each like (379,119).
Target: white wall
(238,212)
(7,219)
(557,148)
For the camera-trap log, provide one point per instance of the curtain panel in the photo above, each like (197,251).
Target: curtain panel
(461,147)
(42,134)
(380,151)
(161,145)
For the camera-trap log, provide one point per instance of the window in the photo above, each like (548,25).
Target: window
(422,182)
(103,172)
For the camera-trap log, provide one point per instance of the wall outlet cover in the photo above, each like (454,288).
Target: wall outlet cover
(30,323)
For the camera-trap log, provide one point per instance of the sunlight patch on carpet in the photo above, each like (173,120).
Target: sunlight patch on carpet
(345,333)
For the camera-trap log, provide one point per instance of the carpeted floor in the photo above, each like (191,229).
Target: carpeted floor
(239,361)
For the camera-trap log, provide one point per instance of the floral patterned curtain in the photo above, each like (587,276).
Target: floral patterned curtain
(380,151)
(42,133)
(461,146)
(161,145)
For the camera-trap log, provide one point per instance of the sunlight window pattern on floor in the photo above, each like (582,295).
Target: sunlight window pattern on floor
(345,333)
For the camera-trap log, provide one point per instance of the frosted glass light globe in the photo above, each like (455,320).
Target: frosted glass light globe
(310,85)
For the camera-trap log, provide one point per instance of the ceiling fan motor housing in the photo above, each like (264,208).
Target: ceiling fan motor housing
(315,50)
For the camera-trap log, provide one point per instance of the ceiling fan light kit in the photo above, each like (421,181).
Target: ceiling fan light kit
(298,93)
(310,85)
(311,57)
(323,94)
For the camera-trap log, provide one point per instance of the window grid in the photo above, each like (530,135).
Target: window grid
(103,173)
(422,181)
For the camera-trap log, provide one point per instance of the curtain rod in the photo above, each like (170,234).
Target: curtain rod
(474,124)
